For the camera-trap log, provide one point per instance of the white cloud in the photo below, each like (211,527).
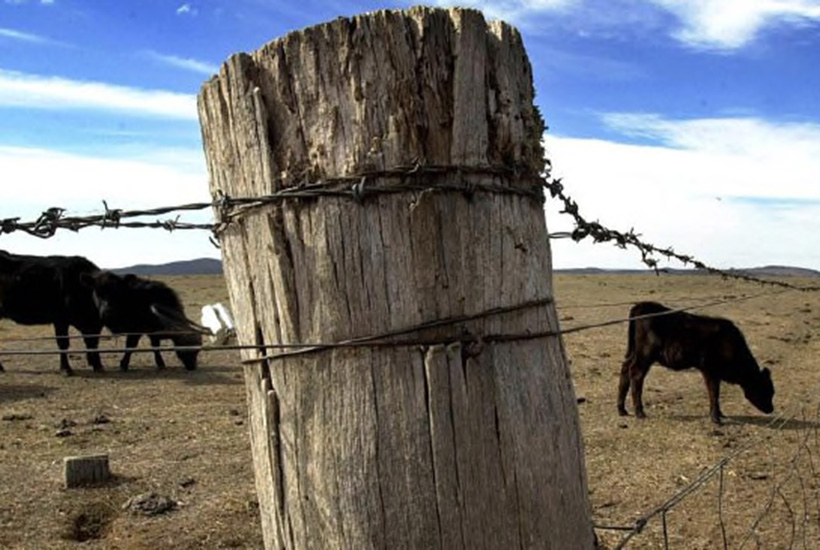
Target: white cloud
(746,196)
(186,64)
(37,179)
(47,92)
(23,36)
(30,38)
(155,177)
(731,24)
(512,11)
(718,25)
(187,9)
(20,2)
(750,147)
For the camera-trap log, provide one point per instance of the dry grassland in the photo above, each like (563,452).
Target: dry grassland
(183,435)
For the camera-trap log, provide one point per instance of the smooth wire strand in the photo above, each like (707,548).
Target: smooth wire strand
(389,339)
(707,302)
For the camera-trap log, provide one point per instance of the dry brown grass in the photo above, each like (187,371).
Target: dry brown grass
(634,466)
(177,433)
(183,434)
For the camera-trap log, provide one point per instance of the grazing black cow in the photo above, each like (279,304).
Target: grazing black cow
(46,290)
(679,340)
(134,306)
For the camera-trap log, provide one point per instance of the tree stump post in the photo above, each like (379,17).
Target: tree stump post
(459,429)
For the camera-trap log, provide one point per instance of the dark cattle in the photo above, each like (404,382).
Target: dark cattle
(135,306)
(679,340)
(46,290)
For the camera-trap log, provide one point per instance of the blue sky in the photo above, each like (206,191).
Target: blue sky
(695,122)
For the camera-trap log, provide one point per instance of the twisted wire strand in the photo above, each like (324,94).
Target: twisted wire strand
(390,338)
(416,177)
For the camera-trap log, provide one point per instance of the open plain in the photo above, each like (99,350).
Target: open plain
(750,483)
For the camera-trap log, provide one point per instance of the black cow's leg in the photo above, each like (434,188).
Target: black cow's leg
(131,341)
(61,332)
(623,387)
(155,342)
(92,341)
(713,387)
(637,373)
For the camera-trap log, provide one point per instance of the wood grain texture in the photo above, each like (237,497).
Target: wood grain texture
(450,445)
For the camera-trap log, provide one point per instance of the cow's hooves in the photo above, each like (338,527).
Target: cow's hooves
(622,412)
(67,372)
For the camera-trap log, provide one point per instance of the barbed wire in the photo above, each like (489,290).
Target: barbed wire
(468,180)
(54,218)
(594,230)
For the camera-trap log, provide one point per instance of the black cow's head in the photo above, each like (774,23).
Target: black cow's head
(188,356)
(183,333)
(760,391)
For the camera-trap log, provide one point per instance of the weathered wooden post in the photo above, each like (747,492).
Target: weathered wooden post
(417,133)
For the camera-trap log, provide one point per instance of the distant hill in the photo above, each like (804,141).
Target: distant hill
(211,266)
(200,266)
(764,271)
(780,271)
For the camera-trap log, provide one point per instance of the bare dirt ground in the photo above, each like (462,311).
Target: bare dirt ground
(182,435)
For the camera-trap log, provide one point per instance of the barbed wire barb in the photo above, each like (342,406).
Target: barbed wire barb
(418,176)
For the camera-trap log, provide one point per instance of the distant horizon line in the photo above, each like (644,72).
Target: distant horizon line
(770,269)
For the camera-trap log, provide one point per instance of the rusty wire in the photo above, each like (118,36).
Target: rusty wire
(417,177)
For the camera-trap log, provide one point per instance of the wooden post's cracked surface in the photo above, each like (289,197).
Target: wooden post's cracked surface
(408,447)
